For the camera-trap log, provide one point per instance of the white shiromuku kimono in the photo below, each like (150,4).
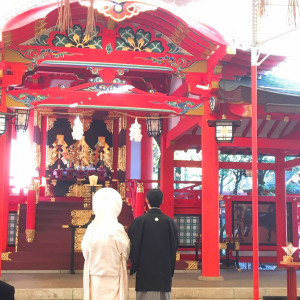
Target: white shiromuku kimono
(105,247)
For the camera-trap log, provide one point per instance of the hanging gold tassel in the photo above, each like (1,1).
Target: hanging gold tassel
(90,28)
(64,20)
(293,7)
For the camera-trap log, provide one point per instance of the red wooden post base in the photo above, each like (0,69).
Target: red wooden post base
(291,279)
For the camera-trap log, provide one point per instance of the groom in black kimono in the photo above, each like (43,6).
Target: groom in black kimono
(154,242)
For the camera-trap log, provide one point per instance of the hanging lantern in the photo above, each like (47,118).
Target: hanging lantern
(224,129)
(77,133)
(154,125)
(2,123)
(135,132)
(4,117)
(21,119)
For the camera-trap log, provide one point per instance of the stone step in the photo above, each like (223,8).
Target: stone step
(208,293)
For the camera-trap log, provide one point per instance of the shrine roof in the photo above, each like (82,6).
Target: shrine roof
(269,82)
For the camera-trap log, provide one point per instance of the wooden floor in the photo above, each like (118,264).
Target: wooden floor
(236,285)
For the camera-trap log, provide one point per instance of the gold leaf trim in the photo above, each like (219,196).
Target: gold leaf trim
(192,265)
(122,158)
(5,256)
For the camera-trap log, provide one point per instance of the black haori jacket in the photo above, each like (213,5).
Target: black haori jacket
(154,242)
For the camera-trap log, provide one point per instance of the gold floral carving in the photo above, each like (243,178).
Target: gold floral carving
(113,115)
(5,256)
(17,229)
(51,121)
(37,155)
(79,190)
(80,216)
(40,27)
(122,122)
(122,158)
(192,265)
(79,234)
(48,155)
(122,190)
(87,202)
(80,154)
(37,119)
(30,235)
(109,125)
(177,256)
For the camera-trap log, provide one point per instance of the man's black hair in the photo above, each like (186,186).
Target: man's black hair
(155,197)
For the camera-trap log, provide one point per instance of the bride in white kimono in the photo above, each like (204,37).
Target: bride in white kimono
(105,247)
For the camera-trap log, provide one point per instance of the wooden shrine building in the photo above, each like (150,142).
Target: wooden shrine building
(138,62)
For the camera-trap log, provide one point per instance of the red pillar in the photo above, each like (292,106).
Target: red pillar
(210,200)
(128,149)
(6,184)
(167,175)
(146,157)
(30,214)
(255,239)
(140,201)
(43,147)
(2,193)
(114,183)
(281,222)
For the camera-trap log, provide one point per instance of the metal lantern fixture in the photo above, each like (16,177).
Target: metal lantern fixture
(224,129)
(154,125)
(21,119)
(4,117)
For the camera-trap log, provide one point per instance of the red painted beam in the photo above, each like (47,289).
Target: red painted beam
(292,163)
(264,143)
(224,165)
(181,90)
(185,124)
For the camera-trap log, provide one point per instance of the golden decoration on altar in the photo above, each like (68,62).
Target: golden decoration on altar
(51,121)
(122,122)
(79,190)
(177,256)
(59,150)
(103,153)
(37,155)
(37,120)
(79,234)
(122,158)
(47,190)
(5,256)
(192,265)
(80,217)
(30,235)
(48,155)
(122,190)
(17,229)
(113,115)
(109,125)
(80,154)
